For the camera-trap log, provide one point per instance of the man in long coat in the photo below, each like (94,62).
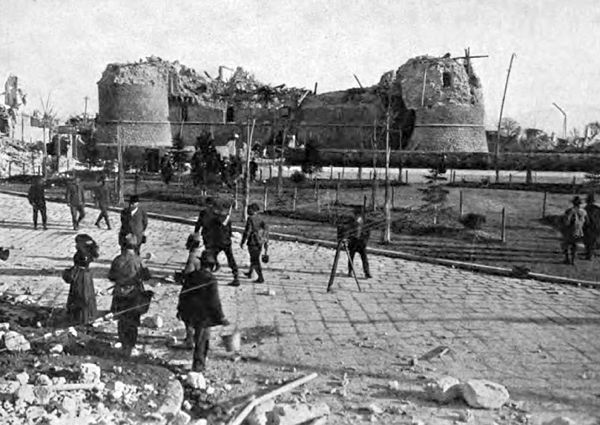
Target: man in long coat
(200,307)
(135,221)
(75,197)
(37,198)
(103,200)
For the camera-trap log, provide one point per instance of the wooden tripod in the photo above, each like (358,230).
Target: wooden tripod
(342,244)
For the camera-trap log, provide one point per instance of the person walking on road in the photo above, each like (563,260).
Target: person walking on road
(133,221)
(76,200)
(103,199)
(591,228)
(574,220)
(37,198)
(81,302)
(130,300)
(200,307)
(256,236)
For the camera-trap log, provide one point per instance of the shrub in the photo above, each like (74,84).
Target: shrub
(298,177)
(472,221)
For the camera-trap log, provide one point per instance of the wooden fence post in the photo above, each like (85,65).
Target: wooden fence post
(406,176)
(235,196)
(503,231)
(317,195)
(359,173)
(460,203)
(510,178)
(374,196)
(295,199)
(266,198)
(393,196)
(24,169)
(343,170)
(9,168)
(364,203)
(260,174)
(337,192)
(544,205)
(331,172)
(270,171)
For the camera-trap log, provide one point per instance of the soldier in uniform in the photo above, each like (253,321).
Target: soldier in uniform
(256,236)
(135,221)
(574,220)
(129,300)
(103,200)
(76,200)
(200,307)
(37,199)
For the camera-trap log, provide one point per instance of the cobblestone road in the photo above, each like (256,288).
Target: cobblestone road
(540,340)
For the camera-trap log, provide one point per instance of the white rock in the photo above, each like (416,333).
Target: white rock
(14,341)
(186,405)
(22,378)
(293,414)
(25,394)
(561,420)
(8,389)
(483,394)
(181,418)
(56,349)
(69,406)
(153,322)
(201,421)
(394,385)
(118,388)
(196,380)
(72,331)
(89,373)
(4,326)
(375,409)
(210,390)
(444,389)
(59,380)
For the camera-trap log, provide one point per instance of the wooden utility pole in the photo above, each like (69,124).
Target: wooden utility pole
(280,166)
(497,150)
(85,110)
(374,181)
(249,135)
(387,231)
(121,175)
(44,151)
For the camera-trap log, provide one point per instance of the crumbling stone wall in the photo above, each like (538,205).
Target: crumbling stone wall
(134,92)
(447,98)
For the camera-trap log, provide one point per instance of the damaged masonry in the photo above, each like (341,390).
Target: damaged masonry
(435,104)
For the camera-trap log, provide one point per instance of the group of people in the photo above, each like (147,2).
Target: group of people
(199,305)
(580,225)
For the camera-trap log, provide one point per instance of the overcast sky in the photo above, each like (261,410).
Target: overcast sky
(62,47)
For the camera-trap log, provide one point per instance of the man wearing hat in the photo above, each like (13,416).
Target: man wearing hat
(129,300)
(574,221)
(256,235)
(37,198)
(76,200)
(591,228)
(103,199)
(200,307)
(135,221)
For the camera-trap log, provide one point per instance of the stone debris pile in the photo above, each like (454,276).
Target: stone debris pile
(477,393)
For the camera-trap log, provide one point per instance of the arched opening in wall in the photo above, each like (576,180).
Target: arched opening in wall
(447,79)
(230,114)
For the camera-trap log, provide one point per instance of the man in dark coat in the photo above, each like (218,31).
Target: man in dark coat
(574,221)
(76,200)
(591,228)
(37,199)
(356,231)
(215,225)
(256,236)
(200,307)
(129,300)
(103,200)
(135,221)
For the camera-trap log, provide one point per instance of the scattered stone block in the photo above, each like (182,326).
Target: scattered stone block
(25,394)
(258,416)
(22,378)
(43,380)
(294,414)
(484,394)
(444,389)
(72,332)
(173,398)
(4,326)
(89,373)
(69,406)
(561,420)
(181,418)
(200,421)
(43,394)
(196,380)
(8,389)
(56,349)
(34,412)
(153,322)
(15,342)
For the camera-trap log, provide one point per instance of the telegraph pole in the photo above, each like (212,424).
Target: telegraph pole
(85,110)
(497,153)
(564,119)
(387,232)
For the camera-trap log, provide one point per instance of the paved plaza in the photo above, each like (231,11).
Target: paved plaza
(542,341)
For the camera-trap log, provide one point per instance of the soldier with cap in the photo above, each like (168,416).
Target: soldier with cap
(574,220)
(256,236)
(129,300)
(135,221)
(200,307)
(37,198)
(103,200)
(76,200)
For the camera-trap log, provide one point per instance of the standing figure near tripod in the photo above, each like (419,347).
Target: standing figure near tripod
(356,232)
(256,235)
(37,198)
(76,200)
